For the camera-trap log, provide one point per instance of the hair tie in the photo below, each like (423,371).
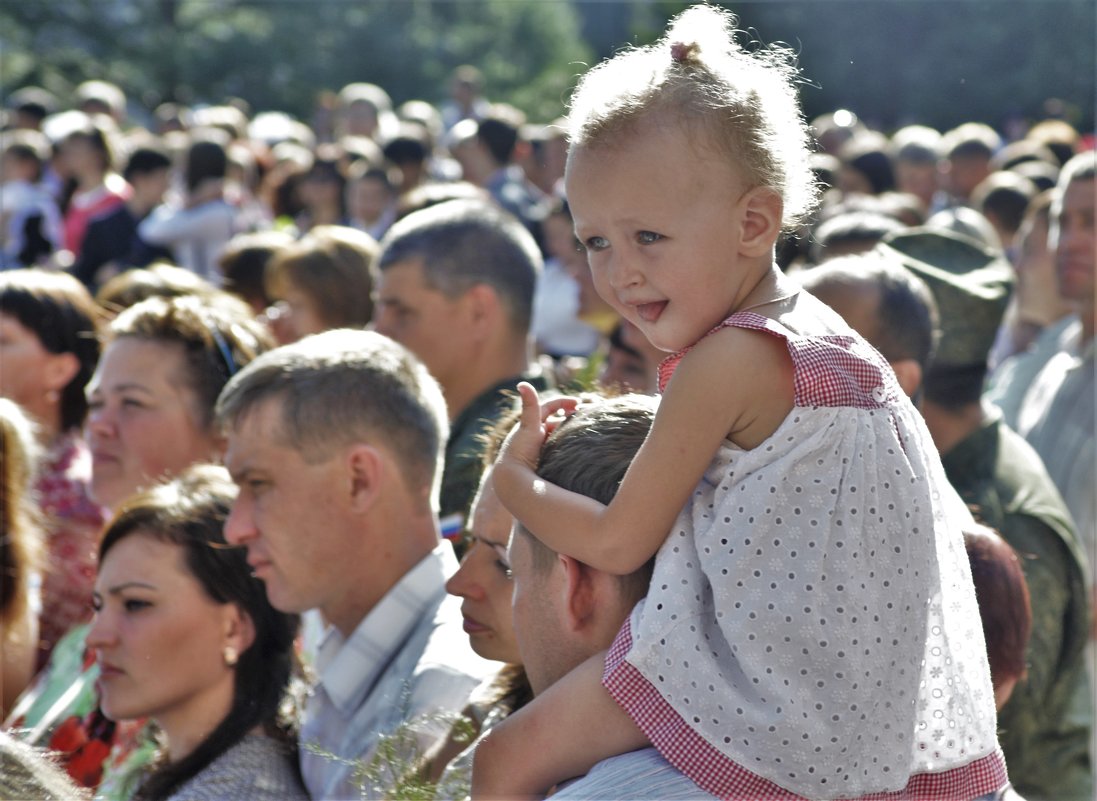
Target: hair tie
(681,52)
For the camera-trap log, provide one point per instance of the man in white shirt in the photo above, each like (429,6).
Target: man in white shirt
(566,611)
(336,444)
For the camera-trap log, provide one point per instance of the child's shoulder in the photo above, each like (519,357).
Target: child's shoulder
(833,364)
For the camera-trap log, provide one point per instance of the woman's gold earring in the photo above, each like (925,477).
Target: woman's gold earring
(231,657)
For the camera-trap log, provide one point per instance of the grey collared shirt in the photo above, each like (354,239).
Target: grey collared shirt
(637,775)
(408,662)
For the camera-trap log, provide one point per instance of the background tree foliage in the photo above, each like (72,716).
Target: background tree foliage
(891,61)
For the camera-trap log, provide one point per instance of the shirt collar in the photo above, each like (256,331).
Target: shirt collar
(349,667)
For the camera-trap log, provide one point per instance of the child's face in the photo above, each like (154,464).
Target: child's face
(661,219)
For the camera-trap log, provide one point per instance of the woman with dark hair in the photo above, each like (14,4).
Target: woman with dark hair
(93,188)
(484,583)
(184,635)
(48,350)
(198,230)
(165,360)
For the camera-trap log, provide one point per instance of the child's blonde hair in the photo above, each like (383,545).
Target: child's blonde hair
(746,102)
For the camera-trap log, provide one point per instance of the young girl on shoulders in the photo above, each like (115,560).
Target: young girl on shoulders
(810,629)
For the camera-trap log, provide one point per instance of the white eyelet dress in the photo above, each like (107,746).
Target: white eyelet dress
(811,628)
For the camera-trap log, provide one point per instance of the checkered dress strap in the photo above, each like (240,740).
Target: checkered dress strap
(832,370)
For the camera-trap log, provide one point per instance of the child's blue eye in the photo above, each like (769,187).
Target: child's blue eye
(597,243)
(648,237)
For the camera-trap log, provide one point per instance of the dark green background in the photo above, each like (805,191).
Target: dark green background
(892,61)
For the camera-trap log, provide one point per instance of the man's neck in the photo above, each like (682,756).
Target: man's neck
(950,427)
(411,536)
(482,374)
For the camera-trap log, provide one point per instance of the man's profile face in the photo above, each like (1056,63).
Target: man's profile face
(285,515)
(421,318)
(1076,246)
(538,613)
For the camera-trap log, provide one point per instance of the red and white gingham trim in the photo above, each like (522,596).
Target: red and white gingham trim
(833,370)
(722,777)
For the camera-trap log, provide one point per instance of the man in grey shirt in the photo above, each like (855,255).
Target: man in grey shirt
(335,442)
(566,611)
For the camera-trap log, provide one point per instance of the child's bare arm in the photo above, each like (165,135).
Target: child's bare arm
(733,383)
(560,735)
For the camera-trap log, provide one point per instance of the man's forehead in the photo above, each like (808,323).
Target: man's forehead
(406,274)
(256,430)
(1077,194)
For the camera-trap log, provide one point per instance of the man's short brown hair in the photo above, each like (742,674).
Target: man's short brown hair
(589,454)
(345,386)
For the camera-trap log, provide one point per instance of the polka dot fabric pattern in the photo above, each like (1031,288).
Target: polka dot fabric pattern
(811,629)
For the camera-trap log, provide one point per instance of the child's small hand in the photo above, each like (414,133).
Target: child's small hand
(537,421)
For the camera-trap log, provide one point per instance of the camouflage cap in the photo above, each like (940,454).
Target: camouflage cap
(970,283)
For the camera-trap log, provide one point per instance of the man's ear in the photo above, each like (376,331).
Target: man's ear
(579,595)
(366,467)
(909,373)
(482,309)
(761,210)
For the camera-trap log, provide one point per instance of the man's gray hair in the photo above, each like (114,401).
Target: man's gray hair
(462,243)
(346,386)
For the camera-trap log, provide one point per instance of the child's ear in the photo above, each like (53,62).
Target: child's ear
(760,222)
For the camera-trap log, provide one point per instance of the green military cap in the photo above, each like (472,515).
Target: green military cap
(970,283)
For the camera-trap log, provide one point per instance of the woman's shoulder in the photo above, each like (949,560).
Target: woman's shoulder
(258,768)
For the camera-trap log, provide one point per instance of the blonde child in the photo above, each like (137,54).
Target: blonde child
(810,629)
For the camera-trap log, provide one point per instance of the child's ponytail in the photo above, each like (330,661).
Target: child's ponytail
(685,54)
